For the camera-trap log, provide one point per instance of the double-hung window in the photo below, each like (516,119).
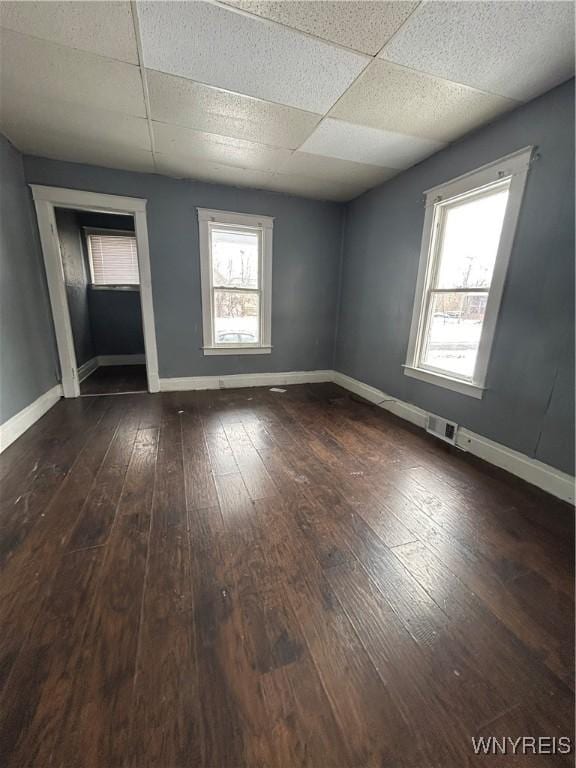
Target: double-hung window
(113,257)
(468,234)
(236,274)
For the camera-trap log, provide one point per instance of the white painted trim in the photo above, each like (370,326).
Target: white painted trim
(20,422)
(537,473)
(548,478)
(57,294)
(87,368)
(263,226)
(234,218)
(45,200)
(513,170)
(237,350)
(245,380)
(515,162)
(121,359)
(456,385)
(75,198)
(109,287)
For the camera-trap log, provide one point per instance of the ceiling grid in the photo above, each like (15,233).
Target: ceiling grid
(319,98)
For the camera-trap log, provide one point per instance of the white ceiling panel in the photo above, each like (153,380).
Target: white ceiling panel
(40,69)
(193,105)
(398,99)
(515,49)
(203,170)
(319,189)
(362,144)
(106,28)
(363,26)
(175,140)
(31,120)
(335,169)
(77,150)
(220,47)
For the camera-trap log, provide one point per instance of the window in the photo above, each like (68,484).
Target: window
(113,257)
(236,272)
(468,234)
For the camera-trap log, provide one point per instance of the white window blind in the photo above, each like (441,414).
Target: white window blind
(113,258)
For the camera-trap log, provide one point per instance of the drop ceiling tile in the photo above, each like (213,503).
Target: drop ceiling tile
(398,99)
(43,70)
(29,121)
(194,105)
(218,46)
(319,189)
(362,26)
(106,28)
(79,151)
(362,144)
(175,140)
(204,170)
(335,169)
(515,49)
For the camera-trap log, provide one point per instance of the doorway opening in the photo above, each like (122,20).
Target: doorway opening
(100,265)
(95,251)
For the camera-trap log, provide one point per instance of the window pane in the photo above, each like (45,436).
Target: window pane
(454,329)
(114,259)
(234,258)
(236,317)
(470,238)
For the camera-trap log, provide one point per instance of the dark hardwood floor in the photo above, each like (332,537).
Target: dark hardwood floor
(248,578)
(114,379)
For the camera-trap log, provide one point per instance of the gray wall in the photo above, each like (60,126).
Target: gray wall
(529,403)
(76,278)
(304,274)
(116,320)
(28,359)
(115,316)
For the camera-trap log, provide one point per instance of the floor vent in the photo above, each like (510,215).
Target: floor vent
(445,430)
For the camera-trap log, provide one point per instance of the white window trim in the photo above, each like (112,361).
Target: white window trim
(514,167)
(103,231)
(265,225)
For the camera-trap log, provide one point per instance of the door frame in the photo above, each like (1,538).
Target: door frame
(46,199)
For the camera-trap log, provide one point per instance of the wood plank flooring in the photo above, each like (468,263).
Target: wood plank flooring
(247,578)
(114,379)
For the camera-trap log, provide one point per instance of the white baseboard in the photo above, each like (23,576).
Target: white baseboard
(87,368)
(121,359)
(537,473)
(245,380)
(20,422)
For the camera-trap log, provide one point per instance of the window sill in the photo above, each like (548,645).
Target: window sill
(244,350)
(101,287)
(456,385)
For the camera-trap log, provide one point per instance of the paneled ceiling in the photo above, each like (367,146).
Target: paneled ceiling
(322,99)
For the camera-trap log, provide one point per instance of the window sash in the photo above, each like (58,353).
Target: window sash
(215,226)
(513,168)
(438,231)
(224,344)
(123,268)
(423,346)
(218,219)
